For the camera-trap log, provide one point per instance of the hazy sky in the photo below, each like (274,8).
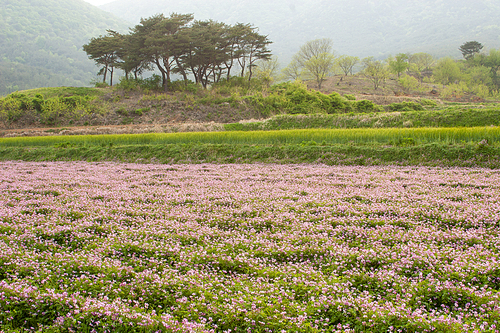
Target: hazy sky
(98,2)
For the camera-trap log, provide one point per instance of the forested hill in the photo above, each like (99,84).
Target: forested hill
(41,42)
(357,27)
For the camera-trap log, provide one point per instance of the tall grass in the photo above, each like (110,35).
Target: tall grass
(283,137)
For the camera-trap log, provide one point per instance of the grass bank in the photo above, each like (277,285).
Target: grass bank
(451,117)
(469,154)
(393,136)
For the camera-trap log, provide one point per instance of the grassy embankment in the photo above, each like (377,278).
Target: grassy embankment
(478,146)
(305,127)
(129,103)
(448,117)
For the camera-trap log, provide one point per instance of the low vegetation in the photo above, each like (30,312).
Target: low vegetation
(111,247)
(422,146)
(230,101)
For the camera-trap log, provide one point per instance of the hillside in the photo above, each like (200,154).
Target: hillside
(357,27)
(41,42)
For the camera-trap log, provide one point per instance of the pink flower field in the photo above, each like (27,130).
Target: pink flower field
(105,247)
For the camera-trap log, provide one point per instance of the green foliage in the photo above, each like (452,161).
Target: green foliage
(435,151)
(346,63)
(447,71)
(367,106)
(295,98)
(428,102)
(409,84)
(101,85)
(340,136)
(376,71)
(406,106)
(140,112)
(399,64)
(50,106)
(469,49)
(435,118)
(152,83)
(456,90)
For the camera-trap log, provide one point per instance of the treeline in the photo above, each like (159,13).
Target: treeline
(178,44)
(477,73)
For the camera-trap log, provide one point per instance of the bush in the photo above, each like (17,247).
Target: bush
(409,83)
(101,85)
(139,112)
(127,84)
(428,102)
(405,106)
(37,103)
(295,98)
(456,90)
(181,85)
(367,106)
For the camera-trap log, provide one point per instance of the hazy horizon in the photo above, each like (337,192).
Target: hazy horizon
(98,2)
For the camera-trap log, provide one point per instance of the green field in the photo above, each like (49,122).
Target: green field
(394,136)
(467,147)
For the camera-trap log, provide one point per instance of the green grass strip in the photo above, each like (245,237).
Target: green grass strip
(285,137)
(431,154)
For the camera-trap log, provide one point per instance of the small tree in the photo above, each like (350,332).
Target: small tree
(399,64)
(267,70)
(293,71)
(447,71)
(491,61)
(316,59)
(409,83)
(104,50)
(420,62)
(469,49)
(320,67)
(313,49)
(346,63)
(376,71)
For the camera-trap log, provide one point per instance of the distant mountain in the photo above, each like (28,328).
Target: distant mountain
(357,27)
(41,42)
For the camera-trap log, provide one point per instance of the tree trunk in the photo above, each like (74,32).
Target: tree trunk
(181,69)
(112,71)
(105,74)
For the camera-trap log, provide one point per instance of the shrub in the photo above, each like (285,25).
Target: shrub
(428,102)
(181,85)
(153,83)
(101,85)
(367,106)
(127,84)
(454,90)
(409,83)
(406,106)
(139,112)
(37,103)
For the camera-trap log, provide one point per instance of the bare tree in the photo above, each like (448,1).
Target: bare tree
(346,63)
(376,71)
(313,49)
(293,71)
(314,59)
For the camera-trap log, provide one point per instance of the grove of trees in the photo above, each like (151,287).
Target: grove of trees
(178,44)
(478,73)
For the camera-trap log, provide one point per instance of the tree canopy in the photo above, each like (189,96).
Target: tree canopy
(315,60)
(207,50)
(469,49)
